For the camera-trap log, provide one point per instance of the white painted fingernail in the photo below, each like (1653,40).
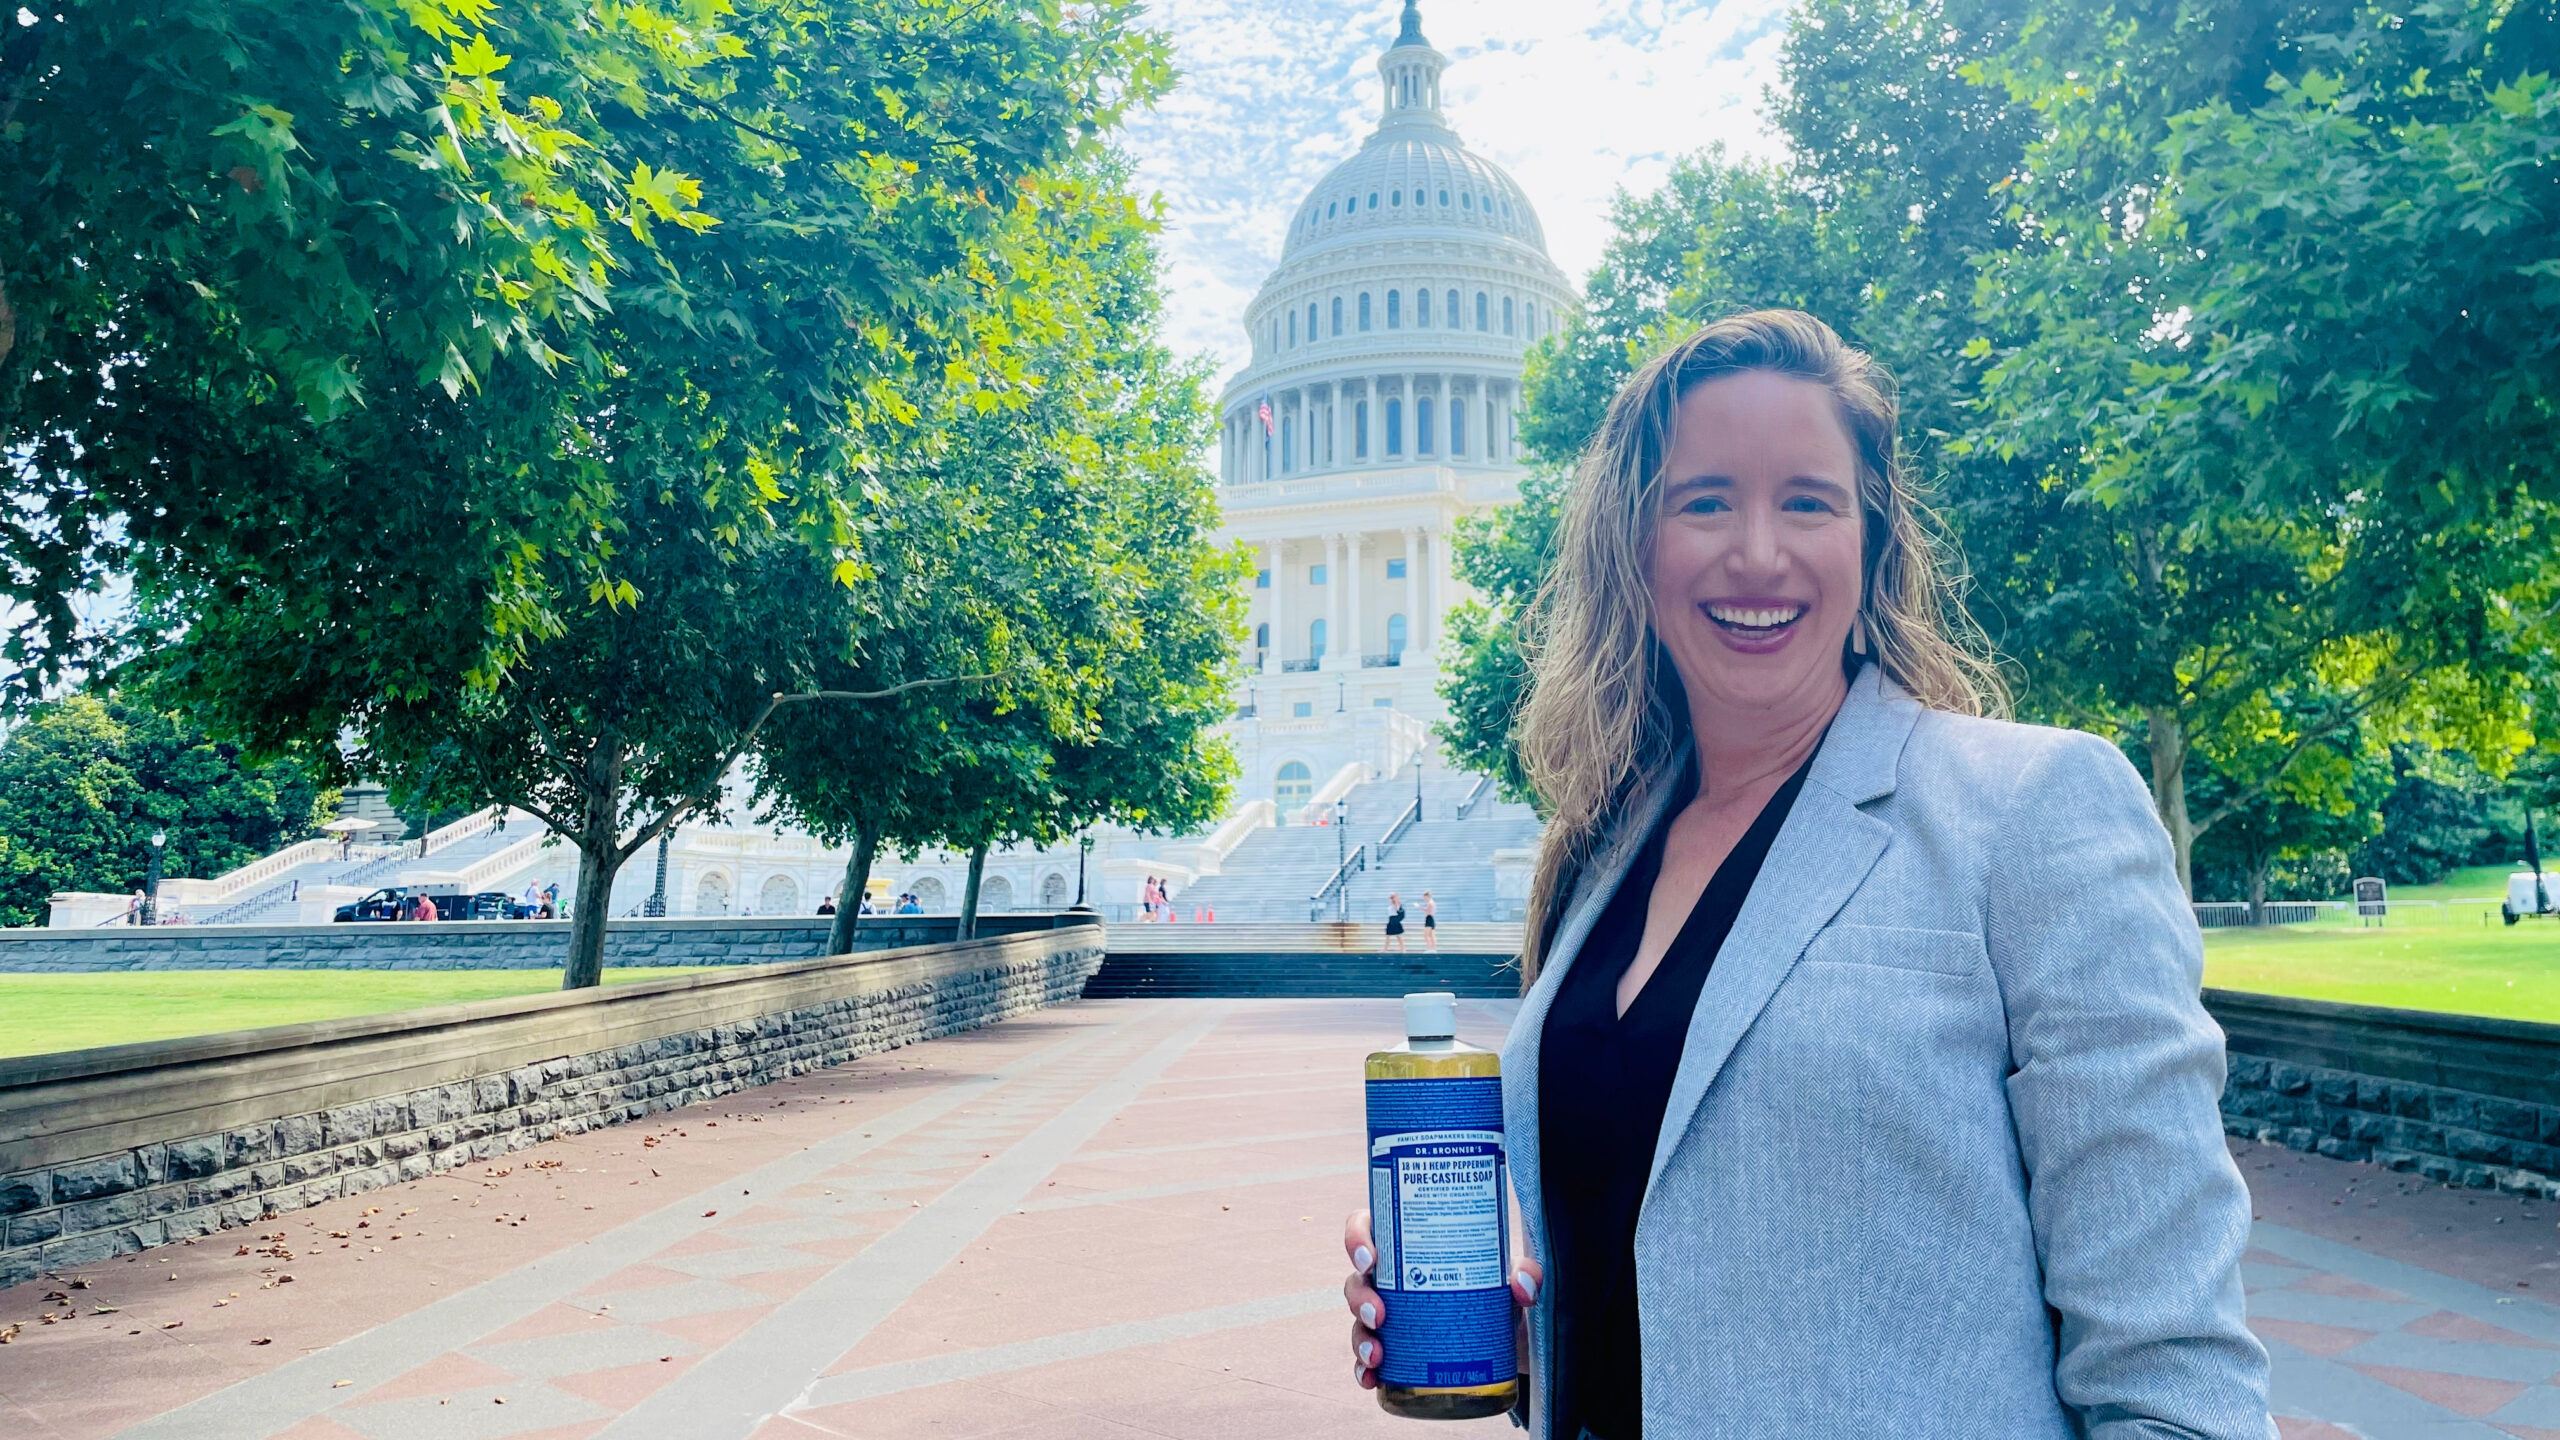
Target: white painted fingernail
(1528,1285)
(1359,1372)
(1361,1259)
(1369,1315)
(1368,1352)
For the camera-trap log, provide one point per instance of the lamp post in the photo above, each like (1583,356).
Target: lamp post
(1084,848)
(657,907)
(1417,785)
(1341,690)
(151,879)
(1342,857)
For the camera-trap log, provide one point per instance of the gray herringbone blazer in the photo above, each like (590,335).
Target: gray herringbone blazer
(1943,1160)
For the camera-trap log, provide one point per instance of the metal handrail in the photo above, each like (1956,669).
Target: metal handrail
(1483,787)
(1405,820)
(1352,864)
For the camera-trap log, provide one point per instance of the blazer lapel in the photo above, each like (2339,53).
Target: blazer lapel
(1821,854)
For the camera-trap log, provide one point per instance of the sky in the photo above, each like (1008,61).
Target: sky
(1578,99)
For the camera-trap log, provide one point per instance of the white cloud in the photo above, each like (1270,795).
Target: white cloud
(1575,100)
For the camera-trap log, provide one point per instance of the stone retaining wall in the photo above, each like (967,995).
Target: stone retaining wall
(2456,1098)
(469,944)
(107,1151)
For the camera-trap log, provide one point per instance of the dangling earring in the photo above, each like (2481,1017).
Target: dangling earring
(1858,634)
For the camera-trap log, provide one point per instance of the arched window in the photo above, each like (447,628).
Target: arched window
(1453,310)
(994,893)
(1395,634)
(711,895)
(1262,636)
(1364,310)
(1422,427)
(1337,315)
(1422,307)
(1053,890)
(1332,208)
(1395,197)
(1466,202)
(1295,785)
(930,896)
(1360,426)
(1506,316)
(1373,199)
(1311,322)
(1395,427)
(1481,322)
(1315,639)
(1457,427)
(1395,309)
(1444,197)
(780,895)
(1293,329)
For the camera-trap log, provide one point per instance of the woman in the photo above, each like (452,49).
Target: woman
(1861,1085)
(1395,923)
(1430,924)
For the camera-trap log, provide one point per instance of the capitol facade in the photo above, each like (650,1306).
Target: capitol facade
(1378,409)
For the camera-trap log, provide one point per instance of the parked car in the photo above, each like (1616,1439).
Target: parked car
(390,902)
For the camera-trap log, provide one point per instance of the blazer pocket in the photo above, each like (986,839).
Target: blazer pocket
(1893,947)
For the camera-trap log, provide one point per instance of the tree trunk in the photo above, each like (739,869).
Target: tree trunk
(599,842)
(2169,790)
(857,882)
(2258,867)
(968,929)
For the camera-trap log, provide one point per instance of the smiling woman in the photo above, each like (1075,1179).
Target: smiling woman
(1851,1010)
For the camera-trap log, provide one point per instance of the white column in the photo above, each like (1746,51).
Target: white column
(1440,601)
(1279,609)
(1351,630)
(1412,590)
(1332,599)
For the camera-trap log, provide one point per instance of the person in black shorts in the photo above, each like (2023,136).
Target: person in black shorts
(1430,924)
(1395,922)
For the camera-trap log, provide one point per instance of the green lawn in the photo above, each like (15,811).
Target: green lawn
(2459,958)
(43,1013)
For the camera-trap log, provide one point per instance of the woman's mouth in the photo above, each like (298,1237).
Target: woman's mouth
(1754,625)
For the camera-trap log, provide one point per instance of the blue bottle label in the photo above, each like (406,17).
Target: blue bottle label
(1442,1229)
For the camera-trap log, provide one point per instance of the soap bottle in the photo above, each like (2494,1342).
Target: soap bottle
(1440,1219)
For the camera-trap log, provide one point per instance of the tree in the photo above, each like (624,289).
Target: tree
(569,607)
(2170,561)
(85,780)
(1063,545)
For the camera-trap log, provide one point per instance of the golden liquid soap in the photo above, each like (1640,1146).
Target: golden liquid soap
(1439,1221)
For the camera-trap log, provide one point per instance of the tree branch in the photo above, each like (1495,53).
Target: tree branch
(711,785)
(2339,721)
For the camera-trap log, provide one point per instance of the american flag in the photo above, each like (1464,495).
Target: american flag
(1264,410)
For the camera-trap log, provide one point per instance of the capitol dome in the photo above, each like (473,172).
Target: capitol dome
(1379,410)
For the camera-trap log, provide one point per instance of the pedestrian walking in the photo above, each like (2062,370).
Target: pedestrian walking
(1395,923)
(1430,924)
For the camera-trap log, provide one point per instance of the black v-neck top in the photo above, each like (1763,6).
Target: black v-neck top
(1603,1083)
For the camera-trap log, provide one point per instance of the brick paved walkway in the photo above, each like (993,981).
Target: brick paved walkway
(1112,1219)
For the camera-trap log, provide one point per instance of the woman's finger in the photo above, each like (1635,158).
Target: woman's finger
(1526,1277)
(1355,1241)
(1363,1302)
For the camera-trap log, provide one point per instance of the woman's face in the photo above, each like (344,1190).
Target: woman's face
(1758,553)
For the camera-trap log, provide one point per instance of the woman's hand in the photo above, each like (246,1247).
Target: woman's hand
(1367,1308)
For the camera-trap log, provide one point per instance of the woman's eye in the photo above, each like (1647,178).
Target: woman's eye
(1705,505)
(1805,505)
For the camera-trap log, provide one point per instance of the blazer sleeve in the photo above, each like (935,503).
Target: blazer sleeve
(2140,1215)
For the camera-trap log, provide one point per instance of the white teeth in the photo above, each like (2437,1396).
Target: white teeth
(1757,619)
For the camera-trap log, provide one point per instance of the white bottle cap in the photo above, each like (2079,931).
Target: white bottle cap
(1431,1015)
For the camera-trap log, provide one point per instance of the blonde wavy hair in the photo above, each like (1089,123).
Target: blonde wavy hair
(1606,721)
